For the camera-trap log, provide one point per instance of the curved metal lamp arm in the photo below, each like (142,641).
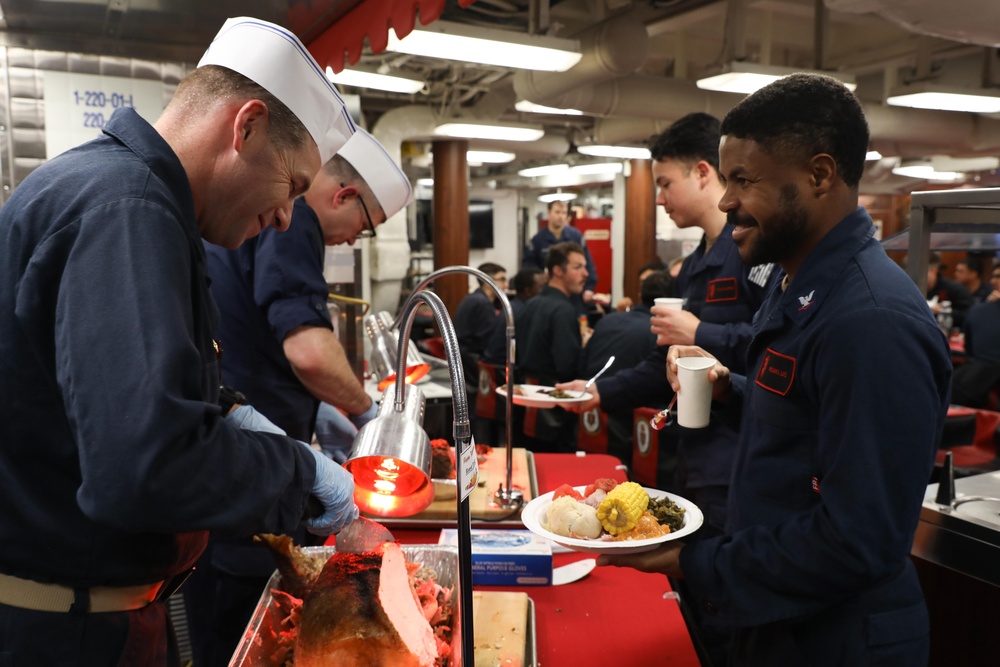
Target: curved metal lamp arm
(506,496)
(460,402)
(463,441)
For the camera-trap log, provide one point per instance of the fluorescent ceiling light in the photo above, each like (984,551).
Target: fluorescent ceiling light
(506,132)
(362,79)
(427,182)
(598,168)
(945,167)
(531,107)
(557,196)
(492,157)
(620,152)
(926,95)
(488,46)
(746,78)
(964,164)
(873,155)
(926,171)
(544,170)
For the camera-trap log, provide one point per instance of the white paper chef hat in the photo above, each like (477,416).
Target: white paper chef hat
(276,60)
(387,181)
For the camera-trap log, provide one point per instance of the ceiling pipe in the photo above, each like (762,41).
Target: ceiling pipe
(734,46)
(498,101)
(611,49)
(920,128)
(946,20)
(389,252)
(646,96)
(549,146)
(624,131)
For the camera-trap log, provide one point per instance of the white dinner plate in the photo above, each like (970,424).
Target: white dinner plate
(534,398)
(533,517)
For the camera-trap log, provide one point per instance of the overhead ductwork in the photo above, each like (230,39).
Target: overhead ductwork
(390,250)
(933,17)
(633,107)
(918,131)
(611,49)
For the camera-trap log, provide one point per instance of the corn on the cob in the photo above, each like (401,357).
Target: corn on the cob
(622,508)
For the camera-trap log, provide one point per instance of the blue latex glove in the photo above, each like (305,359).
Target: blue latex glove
(335,433)
(248,419)
(365,417)
(334,488)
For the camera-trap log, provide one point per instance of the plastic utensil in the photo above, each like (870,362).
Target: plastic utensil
(662,418)
(592,380)
(567,574)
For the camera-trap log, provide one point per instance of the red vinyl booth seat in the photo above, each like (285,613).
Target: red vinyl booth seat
(645,447)
(488,404)
(981,454)
(592,436)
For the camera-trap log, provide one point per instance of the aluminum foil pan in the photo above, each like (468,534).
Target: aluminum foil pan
(260,643)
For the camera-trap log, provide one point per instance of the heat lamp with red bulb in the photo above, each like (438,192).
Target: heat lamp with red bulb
(385,352)
(391,459)
(413,373)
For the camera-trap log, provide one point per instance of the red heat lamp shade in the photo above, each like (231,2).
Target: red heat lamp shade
(386,486)
(413,373)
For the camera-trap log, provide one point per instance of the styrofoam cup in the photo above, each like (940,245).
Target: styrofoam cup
(694,400)
(669,302)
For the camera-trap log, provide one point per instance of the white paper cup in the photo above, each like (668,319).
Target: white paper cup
(694,400)
(669,302)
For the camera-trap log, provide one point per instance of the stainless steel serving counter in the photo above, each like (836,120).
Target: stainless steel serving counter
(964,535)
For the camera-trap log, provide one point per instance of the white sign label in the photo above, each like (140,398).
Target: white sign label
(470,469)
(77,106)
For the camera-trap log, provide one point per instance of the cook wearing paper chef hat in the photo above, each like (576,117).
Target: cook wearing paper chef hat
(380,172)
(132,464)
(282,352)
(275,59)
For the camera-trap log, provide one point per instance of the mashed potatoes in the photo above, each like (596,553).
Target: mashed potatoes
(570,518)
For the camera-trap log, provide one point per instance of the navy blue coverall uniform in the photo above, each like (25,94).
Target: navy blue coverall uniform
(475,320)
(267,287)
(627,337)
(115,458)
(724,294)
(538,251)
(548,351)
(264,289)
(842,410)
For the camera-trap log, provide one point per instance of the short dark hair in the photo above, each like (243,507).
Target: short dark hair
(803,115)
(658,265)
(693,138)
(490,269)
(559,255)
(972,264)
(656,285)
(524,280)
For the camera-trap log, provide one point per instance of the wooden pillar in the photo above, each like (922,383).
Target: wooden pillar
(451,218)
(640,224)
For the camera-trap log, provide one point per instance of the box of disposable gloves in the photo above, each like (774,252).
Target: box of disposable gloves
(506,557)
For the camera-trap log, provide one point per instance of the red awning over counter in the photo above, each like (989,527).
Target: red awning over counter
(372,19)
